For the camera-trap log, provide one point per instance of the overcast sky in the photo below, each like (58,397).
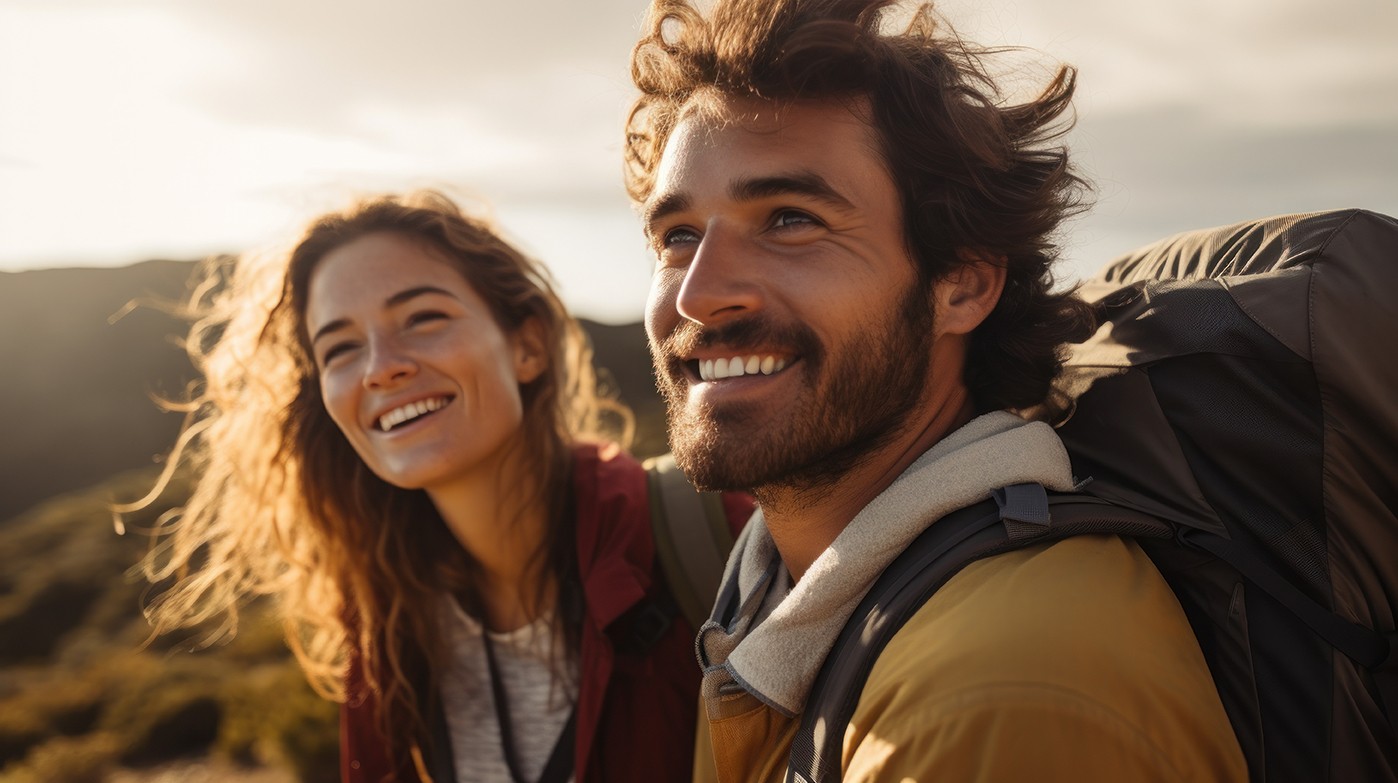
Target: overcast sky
(132,129)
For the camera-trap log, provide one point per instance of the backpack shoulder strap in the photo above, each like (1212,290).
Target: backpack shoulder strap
(692,537)
(1017,516)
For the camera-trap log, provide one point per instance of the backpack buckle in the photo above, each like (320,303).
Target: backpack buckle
(649,622)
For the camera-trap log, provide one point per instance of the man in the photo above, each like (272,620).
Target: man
(853,288)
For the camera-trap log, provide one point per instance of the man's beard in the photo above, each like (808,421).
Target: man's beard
(856,398)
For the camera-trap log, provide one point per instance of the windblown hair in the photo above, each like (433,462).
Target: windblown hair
(977,176)
(284,506)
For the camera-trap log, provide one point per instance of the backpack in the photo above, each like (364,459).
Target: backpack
(692,538)
(1237,413)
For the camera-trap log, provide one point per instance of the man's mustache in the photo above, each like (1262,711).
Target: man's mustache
(739,335)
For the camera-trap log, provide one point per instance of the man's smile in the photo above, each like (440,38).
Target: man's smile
(736,366)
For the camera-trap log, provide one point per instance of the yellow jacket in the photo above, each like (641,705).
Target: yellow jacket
(1064,662)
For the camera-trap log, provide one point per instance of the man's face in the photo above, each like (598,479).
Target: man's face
(789,331)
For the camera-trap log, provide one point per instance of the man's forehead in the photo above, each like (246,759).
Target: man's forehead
(711,111)
(752,134)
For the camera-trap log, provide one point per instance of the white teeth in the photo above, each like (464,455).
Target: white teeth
(410,411)
(738,366)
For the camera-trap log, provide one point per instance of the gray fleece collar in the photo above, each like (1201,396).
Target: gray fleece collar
(776,656)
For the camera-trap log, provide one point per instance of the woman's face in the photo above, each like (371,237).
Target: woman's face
(413,367)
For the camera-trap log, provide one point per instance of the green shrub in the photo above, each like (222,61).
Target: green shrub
(167,712)
(68,759)
(79,689)
(260,638)
(33,628)
(20,731)
(275,718)
(48,705)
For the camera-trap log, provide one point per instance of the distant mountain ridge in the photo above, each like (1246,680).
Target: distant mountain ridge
(77,389)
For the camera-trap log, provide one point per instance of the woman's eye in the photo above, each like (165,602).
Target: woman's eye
(425,316)
(334,351)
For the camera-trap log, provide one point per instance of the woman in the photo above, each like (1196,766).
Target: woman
(388,442)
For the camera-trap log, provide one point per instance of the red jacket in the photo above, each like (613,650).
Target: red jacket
(636,710)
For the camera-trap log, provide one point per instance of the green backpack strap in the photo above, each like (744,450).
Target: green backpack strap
(692,537)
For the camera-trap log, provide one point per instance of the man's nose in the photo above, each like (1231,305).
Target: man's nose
(719,283)
(388,364)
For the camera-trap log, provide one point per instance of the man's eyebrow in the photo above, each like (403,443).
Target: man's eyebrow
(803,183)
(666,205)
(399,298)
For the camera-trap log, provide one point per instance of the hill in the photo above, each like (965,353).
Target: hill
(77,388)
(82,368)
(81,697)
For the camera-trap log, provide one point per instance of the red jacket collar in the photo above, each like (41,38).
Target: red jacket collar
(616,553)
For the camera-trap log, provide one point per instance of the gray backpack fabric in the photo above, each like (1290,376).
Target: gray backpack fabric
(1244,387)
(1243,390)
(692,537)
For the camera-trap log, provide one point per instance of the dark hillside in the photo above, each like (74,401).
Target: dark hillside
(76,396)
(81,698)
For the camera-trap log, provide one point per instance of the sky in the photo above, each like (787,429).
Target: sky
(136,129)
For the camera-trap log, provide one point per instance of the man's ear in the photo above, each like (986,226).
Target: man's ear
(530,355)
(967,295)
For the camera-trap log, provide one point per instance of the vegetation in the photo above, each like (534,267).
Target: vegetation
(83,693)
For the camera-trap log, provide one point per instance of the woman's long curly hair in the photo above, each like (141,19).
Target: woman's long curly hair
(976,175)
(283,506)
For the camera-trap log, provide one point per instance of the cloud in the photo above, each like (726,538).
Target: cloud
(1259,61)
(1172,169)
(170,127)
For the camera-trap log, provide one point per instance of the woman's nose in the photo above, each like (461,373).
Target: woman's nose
(388,364)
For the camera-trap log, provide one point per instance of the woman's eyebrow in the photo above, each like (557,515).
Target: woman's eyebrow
(415,292)
(333,326)
(399,298)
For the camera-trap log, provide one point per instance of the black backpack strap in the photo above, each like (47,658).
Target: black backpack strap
(692,537)
(1017,516)
(1363,645)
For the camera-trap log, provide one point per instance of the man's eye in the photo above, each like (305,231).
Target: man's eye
(677,236)
(790,217)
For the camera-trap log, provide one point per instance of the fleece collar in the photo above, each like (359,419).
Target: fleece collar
(775,656)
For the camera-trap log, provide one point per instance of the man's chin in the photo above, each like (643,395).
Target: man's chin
(710,461)
(724,464)
(708,473)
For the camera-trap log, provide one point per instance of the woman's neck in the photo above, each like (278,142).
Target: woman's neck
(501,517)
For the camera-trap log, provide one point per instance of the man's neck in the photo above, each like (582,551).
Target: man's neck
(805,522)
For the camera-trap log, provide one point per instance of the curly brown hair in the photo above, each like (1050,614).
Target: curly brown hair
(283,505)
(975,174)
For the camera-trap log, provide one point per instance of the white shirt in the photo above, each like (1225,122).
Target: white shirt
(539,704)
